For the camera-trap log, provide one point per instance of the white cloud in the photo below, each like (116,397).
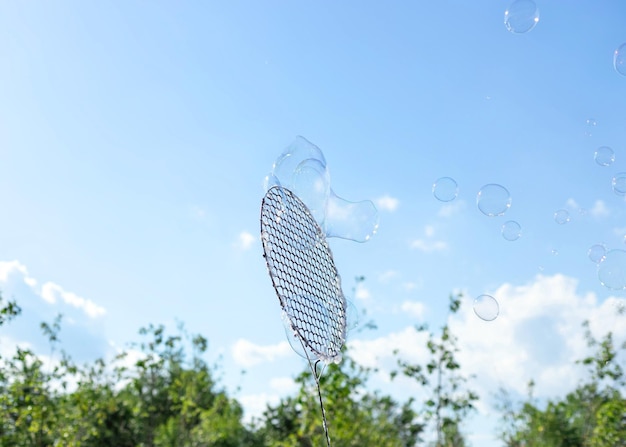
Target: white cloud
(413,308)
(362,292)
(599,209)
(571,203)
(378,352)
(245,240)
(538,335)
(285,385)
(8,268)
(451,209)
(412,285)
(50,292)
(255,404)
(387,276)
(246,353)
(428,246)
(387,203)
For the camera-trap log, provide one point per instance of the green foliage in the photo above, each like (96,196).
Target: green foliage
(163,399)
(449,400)
(356,417)
(592,415)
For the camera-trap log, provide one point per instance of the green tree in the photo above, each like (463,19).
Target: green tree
(590,415)
(449,400)
(356,416)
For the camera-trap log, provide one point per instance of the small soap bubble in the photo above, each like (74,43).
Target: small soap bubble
(445,189)
(554,252)
(619,59)
(521,16)
(604,156)
(493,200)
(511,230)
(590,126)
(612,271)
(486,307)
(561,217)
(596,253)
(618,183)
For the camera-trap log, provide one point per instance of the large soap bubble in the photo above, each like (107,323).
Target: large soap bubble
(493,200)
(521,16)
(302,169)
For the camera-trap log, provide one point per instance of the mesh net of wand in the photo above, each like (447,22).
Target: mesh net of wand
(303,273)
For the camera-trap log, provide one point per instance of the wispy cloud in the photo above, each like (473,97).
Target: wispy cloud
(599,209)
(387,203)
(246,353)
(245,240)
(415,309)
(50,292)
(428,244)
(387,276)
(451,209)
(7,268)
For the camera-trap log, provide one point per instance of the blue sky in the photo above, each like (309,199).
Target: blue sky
(135,136)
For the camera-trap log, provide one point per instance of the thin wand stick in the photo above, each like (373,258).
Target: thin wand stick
(319,395)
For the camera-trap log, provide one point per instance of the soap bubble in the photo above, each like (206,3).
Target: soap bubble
(618,183)
(597,253)
(521,16)
(357,221)
(301,168)
(561,217)
(445,189)
(591,125)
(604,156)
(353,317)
(486,307)
(511,230)
(619,59)
(612,271)
(311,183)
(493,200)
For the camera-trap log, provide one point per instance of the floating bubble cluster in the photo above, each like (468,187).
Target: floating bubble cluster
(493,200)
(486,307)
(521,16)
(612,270)
(445,189)
(302,169)
(561,216)
(596,253)
(604,156)
(619,59)
(511,230)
